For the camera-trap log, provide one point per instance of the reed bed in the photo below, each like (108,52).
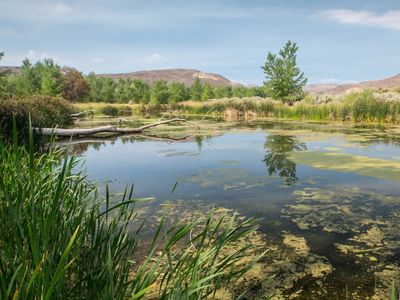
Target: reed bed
(60,239)
(357,107)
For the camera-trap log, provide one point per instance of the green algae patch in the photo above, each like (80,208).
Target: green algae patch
(341,162)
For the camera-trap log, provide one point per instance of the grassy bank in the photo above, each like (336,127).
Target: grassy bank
(59,239)
(360,107)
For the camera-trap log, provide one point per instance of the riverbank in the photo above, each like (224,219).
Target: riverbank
(365,107)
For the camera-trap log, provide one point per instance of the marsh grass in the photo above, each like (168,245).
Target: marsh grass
(60,240)
(356,107)
(98,108)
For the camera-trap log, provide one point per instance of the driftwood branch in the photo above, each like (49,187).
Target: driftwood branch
(106,129)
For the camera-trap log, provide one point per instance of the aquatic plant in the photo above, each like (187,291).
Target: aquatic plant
(60,239)
(356,107)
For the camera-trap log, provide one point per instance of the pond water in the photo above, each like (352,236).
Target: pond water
(330,193)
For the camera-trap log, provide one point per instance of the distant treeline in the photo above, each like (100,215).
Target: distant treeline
(49,79)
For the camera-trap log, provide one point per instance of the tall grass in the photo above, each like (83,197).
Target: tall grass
(357,107)
(60,240)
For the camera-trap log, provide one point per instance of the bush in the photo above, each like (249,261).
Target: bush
(125,110)
(109,110)
(45,111)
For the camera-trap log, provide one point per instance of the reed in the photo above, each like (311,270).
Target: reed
(357,107)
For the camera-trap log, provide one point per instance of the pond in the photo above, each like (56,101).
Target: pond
(327,196)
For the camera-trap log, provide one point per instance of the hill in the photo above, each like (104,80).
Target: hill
(337,89)
(186,76)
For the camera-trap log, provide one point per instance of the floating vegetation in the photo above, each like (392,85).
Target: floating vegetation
(341,162)
(368,219)
(285,266)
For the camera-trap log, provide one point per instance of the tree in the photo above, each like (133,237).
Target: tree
(50,76)
(196,89)
(285,81)
(208,92)
(75,87)
(140,91)
(178,92)
(159,92)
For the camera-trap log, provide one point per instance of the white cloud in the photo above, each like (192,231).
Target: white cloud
(389,19)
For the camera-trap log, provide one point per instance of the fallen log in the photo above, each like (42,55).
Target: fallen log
(105,129)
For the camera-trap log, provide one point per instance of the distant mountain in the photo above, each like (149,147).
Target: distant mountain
(10,69)
(337,89)
(186,76)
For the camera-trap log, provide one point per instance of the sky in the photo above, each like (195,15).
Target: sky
(339,41)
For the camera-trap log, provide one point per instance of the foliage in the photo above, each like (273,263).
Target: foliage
(178,92)
(196,89)
(60,240)
(285,81)
(159,92)
(75,87)
(357,107)
(45,112)
(43,78)
(208,92)
(109,110)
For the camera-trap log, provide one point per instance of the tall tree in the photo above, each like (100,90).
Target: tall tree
(178,92)
(159,92)
(75,87)
(285,81)
(207,92)
(196,89)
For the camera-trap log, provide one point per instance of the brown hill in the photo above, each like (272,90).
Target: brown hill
(387,83)
(10,70)
(186,76)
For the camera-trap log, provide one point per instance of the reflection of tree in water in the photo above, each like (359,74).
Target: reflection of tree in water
(277,148)
(201,139)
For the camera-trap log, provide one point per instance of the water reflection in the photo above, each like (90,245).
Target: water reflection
(276,158)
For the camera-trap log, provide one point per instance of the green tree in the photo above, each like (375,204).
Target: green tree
(159,92)
(196,89)
(285,81)
(207,92)
(178,92)
(239,91)
(107,93)
(95,87)
(140,91)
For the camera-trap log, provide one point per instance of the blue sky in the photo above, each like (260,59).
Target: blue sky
(340,41)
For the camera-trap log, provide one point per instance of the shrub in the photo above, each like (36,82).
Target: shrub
(45,111)
(125,110)
(109,110)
